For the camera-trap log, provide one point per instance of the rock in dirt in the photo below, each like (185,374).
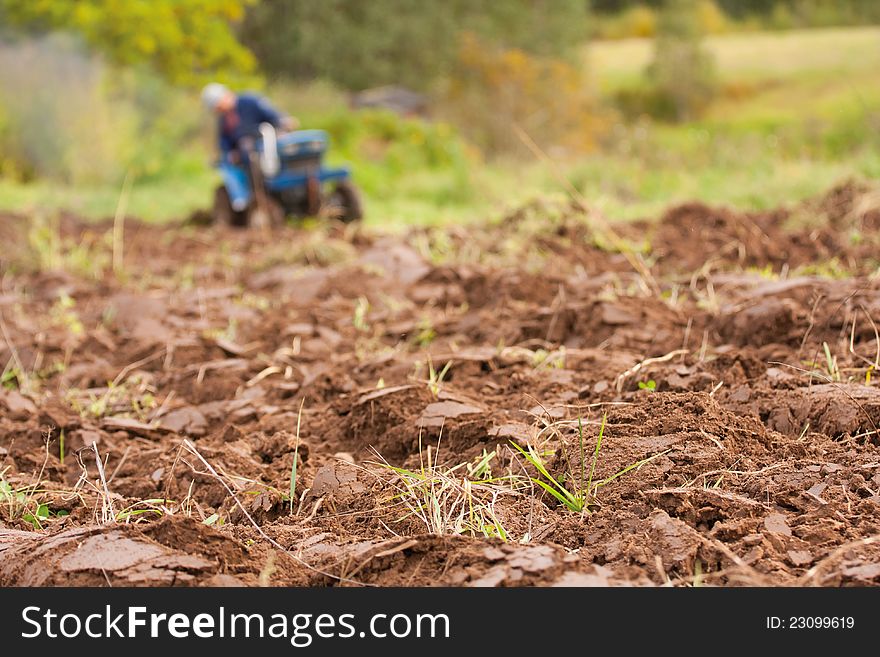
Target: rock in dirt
(769,320)
(600,576)
(838,409)
(701,504)
(129,424)
(517,431)
(799,558)
(17,405)
(834,409)
(381,392)
(866,573)
(428,560)
(338,479)
(776,524)
(299,285)
(398,262)
(614,315)
(186,420)
(436,414)
(117,555)
(511,563)
(140,318)
(674,541)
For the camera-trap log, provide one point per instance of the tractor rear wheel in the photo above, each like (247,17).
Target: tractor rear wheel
(271,215)
(344,203)
(224,214)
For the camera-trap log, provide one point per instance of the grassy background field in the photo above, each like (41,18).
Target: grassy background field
(798,112)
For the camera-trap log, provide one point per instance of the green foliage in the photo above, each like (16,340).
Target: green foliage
(447,501)
(186,41)
(640,20)
(361,44)
(49,250)
(66,116)
(493,89)
(435,378)
(787,14)
(682,76)
(295,465)
(637,21)
(581,493)
(780,14)
(21,503)
(409,166)
(805,119)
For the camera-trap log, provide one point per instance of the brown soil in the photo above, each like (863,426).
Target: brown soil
(760,459)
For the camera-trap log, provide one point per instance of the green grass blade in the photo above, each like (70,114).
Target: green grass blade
(563,496)
(596,452)
(293,467)
(539,465)
(632,466)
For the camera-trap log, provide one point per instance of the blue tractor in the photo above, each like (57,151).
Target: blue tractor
(285,175)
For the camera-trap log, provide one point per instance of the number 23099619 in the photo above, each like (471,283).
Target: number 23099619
(810,623)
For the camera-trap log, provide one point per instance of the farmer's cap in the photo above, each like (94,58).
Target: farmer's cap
(212,94)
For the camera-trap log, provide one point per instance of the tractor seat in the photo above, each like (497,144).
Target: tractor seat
(302,144)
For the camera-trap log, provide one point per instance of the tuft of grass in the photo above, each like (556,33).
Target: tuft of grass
(22,503)
(144,510)
(459,500)
(11,377)
(295,465)
(134,397)
(87,257)
(545,359)
(831,363)
(435,378)
(426,333)
(63,313)
(574,500)
(360,315)
(577,498)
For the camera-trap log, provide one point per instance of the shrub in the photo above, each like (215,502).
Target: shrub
(493,88)
(682,76)
(639,21)
(66,115)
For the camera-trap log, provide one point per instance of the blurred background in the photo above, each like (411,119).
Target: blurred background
(640,103)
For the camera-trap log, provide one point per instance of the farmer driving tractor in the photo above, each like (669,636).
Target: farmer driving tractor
(239,119)
(267,175)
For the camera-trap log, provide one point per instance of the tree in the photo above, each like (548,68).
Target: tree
(186,41)
(682,74)
(359,44)
(496,90)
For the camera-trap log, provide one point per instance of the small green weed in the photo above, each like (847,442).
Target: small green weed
(584,494)
(293,468)
(447,501)
(360,315)
(21,503)
(435,378)
(831,363)
(425,332)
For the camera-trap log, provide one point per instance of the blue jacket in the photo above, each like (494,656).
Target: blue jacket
(244,121)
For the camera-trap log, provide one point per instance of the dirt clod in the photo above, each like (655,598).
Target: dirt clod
(362,400)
